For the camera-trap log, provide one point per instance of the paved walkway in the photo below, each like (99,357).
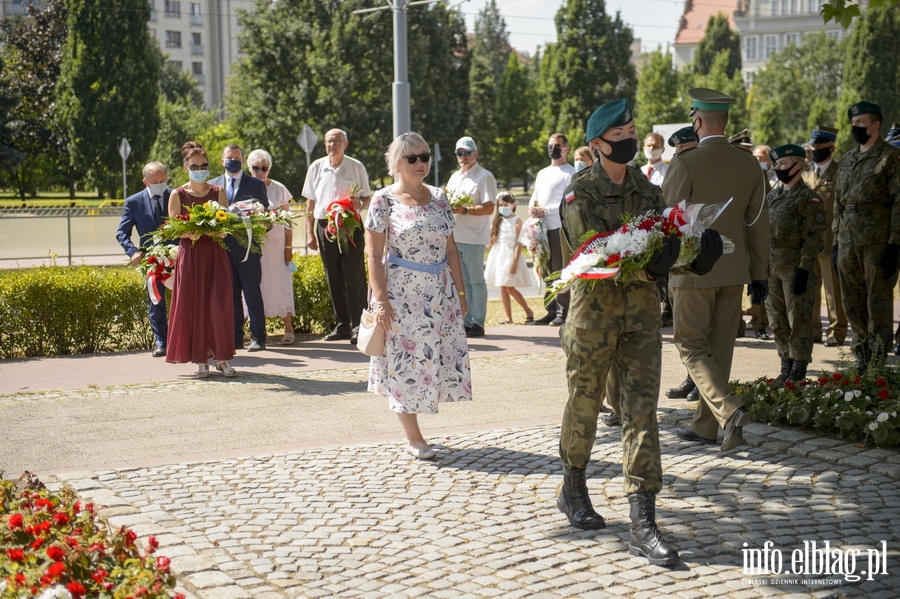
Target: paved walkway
(289,481)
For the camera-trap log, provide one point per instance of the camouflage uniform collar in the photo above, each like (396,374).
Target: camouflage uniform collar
(873,152)
(608,188)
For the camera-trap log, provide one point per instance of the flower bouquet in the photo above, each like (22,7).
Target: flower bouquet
(343,220)
(621,253)
(459,199)
(158,265)
(534,239)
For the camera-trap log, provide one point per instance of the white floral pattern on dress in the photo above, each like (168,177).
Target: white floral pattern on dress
(426,359)
(501,256)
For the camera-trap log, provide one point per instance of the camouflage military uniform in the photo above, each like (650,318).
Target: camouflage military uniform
(612,324)
(797,223)
(866,220)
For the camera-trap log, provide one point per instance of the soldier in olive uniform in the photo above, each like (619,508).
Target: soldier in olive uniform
(820,179)
(615,324)
(707,308)
(867,232)
(797,223)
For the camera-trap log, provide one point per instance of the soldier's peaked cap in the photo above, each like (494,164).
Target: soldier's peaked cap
(612,114)
(741,139)
(684,135)
(709,99)
(822,135)
(861,108)
(787,150)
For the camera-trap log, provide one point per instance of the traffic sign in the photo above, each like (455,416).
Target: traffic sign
(124,149)
(307,138)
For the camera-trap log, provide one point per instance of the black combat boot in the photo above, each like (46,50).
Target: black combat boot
(798,371)
(786,365)
(682,390)
(645,537)
(573,501)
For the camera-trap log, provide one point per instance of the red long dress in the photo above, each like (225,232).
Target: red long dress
(201,319)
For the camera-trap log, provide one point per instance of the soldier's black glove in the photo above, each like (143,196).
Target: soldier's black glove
(660,265)
(888,260)
(710,251)
(834,257)
(801,280)
(758,290)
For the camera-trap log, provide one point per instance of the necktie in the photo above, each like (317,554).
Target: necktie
(649,172)
(230,189)
(156,206)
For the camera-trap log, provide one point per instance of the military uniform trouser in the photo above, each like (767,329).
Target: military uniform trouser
(789,314)
(637,357)
(706,321)
(867,296)
(828,282)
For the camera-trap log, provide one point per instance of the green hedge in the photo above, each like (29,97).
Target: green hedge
(53,310)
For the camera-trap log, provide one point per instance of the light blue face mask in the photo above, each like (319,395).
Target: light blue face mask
(580,165)
(199,176)
(505,210)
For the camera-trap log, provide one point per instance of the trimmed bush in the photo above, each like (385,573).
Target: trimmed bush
(312,300)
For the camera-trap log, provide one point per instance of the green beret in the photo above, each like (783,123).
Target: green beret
(787,150)
(861,108)
(612,114)
(685,135)
(709,99)
(822,135)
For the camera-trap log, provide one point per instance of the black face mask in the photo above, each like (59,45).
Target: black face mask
(623,151)
(555,152)
(784,175)
(860,135)
(821,155)
(696,134)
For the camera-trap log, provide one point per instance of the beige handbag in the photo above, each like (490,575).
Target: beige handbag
(370,339)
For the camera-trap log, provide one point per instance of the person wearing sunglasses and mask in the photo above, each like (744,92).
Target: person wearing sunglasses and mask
(796,225)
(821,178)
(417,295)
(867,232)
(614,324)
(329,179)
(473,228)
(707,308)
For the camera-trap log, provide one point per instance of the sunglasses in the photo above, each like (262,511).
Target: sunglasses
(425,158)
(462,153)
(198,167)
(263,169)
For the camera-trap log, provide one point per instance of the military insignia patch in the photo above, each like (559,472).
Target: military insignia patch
(570,196)
(815,200)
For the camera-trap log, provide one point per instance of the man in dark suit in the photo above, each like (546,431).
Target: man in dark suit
(145,210)
(246,275)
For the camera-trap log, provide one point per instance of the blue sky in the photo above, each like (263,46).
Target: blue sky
(530,22)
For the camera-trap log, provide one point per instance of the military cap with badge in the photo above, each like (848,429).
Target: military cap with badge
(617,113)
(709,100)
(685,135)
(784,175)
(742,140)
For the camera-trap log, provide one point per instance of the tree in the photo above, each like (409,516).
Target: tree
(109,86)
(517,129)
(176,85)
(658,98)
(717,40)
(588,65)
(870,71)
(32,53)
(841,12)
(718,79)
(796,91)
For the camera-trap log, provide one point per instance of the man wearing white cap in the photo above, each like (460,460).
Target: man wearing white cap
(473,228)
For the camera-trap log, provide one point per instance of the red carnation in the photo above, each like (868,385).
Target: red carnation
(56,553)
(613,259)
(61,518)
(645,225)
(15,555)
(837,376)
(881,382)
(823,380)
(883,394)
(37,543)
(76,507)
(56,569)
(15,521)
(77,589)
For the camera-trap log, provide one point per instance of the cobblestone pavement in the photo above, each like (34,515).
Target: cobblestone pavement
(480,521)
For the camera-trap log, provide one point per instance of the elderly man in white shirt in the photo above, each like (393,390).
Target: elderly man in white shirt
(549,186)
(655,169)
(329,179)
(473,229)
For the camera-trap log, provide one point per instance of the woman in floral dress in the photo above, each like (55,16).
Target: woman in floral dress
(415,294)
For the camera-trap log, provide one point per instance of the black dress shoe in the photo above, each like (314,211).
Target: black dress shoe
(611,419)
(897,349)
(546,319)
(689,435)
(476,330)
(693,395)
(762,334)
(734,429)
(337,336)
(682,390)
(354,339)
(158,352)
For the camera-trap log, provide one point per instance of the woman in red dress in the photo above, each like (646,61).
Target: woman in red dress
(201,320)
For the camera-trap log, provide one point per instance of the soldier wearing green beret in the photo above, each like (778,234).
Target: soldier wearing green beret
(615,324)
(821,178)
(683,139)
(796,223)
(708,308)
(867,232)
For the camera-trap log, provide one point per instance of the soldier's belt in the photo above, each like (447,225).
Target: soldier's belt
(869,207)
(785,243)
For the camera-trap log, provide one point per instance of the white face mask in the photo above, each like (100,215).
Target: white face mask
(580,165)
(764,166)
(156,189)
(505,210)
(652,154)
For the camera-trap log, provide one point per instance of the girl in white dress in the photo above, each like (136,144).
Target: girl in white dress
(505,266)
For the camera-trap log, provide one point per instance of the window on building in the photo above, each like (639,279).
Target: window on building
(197,68)
(173,39)
(795,8)
(196,39)
(814,6)
(176,63)
(771,46)
(791,38)
(195,9)
(776,5)
(750,48)
(173,9)
(784,6)
(748,78)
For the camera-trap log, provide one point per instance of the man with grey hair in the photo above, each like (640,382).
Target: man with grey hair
(328,179)
(145,211)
